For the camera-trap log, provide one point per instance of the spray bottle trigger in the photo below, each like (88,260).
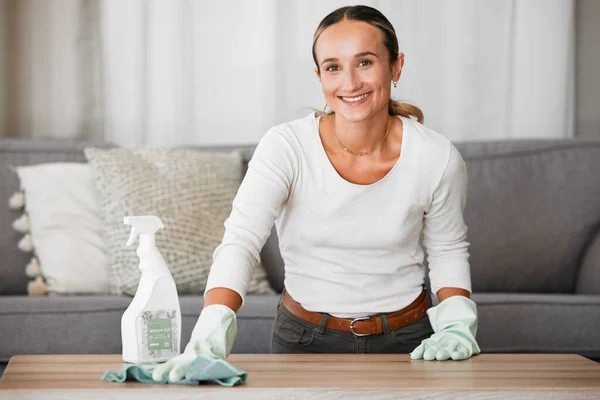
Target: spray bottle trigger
(142,224)
(132,236)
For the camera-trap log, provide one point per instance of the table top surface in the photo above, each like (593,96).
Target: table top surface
(567,373)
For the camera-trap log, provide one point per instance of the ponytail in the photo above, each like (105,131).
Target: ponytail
(396,107)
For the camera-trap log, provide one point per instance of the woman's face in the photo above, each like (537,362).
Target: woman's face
(355,70)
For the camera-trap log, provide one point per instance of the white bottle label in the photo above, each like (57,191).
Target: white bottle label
(159,334)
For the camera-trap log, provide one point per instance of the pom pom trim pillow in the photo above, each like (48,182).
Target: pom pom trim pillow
(62,228)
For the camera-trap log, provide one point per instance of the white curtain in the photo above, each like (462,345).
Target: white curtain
(191,72)
(181,72)
(484,70)
(178,72)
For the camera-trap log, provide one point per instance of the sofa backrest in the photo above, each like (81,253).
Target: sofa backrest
(533,212)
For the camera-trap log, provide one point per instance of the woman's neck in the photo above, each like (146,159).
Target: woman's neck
(362,137)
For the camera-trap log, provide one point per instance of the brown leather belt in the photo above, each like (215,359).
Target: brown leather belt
(363,326)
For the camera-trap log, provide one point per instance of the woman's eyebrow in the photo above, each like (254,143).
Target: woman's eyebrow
(364,53)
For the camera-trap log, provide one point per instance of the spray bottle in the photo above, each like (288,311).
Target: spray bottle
(151,325)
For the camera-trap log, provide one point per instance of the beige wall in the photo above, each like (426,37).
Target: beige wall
(3,73)
(588,69)
(9,67)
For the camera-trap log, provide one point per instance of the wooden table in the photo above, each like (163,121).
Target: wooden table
(382,376)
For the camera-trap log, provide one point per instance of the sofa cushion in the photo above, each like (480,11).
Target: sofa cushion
(532,208)
(538,323)
(91,324)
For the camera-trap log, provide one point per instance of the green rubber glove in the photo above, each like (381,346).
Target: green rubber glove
(454,323)
(212,337)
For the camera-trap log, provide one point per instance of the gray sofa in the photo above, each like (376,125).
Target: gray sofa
(533,213)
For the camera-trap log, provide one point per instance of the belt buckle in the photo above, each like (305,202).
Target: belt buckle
(352,326)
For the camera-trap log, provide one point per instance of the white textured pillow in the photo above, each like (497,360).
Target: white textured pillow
(65,228)
(190,191)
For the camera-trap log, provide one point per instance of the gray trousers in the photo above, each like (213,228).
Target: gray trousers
(291,334)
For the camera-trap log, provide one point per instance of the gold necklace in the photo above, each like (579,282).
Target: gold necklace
(363,153)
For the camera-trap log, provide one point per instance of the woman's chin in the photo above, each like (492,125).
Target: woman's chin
(354,115)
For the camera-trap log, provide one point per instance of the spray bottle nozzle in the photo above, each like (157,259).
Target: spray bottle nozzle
(142,225)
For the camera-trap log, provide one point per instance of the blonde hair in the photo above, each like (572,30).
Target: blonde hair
(375,18)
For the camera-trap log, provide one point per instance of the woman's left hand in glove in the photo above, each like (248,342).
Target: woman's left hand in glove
(454,322)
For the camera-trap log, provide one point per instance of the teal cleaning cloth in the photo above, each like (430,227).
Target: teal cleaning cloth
(203,370)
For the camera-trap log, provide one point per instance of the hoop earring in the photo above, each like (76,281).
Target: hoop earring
(395,83)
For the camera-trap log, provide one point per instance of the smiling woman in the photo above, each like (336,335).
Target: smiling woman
(350,192)
(377,33)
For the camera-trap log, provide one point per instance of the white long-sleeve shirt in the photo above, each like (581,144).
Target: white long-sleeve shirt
(349,250)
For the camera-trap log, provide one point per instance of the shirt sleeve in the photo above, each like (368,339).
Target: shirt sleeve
(265,187)
(444,229)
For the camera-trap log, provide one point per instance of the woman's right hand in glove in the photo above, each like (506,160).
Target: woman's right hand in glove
(212,337)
